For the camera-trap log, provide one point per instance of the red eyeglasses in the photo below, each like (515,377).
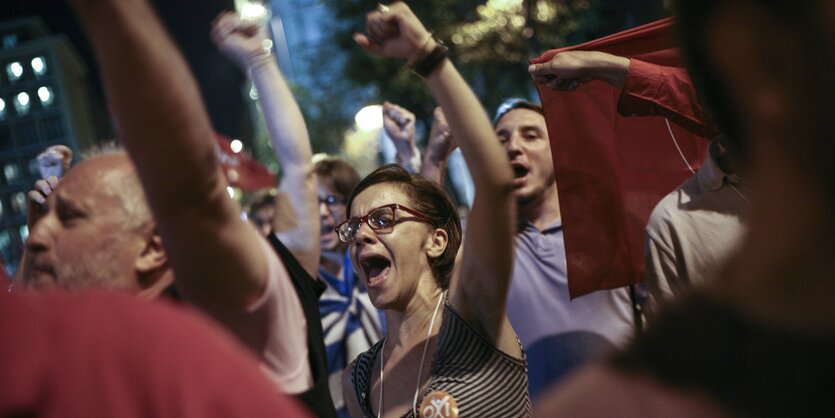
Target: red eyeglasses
(381,220)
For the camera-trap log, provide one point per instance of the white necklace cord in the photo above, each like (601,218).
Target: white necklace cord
(734,188)
(422,359)
(675,142)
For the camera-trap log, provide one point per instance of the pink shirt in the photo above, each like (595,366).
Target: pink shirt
(276,328)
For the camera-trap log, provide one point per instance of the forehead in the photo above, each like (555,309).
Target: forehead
(378,195)
(95,182)
(324,188)
(518,118)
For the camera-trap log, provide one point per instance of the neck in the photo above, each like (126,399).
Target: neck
(408,327)
(782,274)
(544,210)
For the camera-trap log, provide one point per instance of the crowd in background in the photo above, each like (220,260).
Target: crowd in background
(143,291)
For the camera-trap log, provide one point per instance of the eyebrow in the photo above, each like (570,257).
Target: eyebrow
(68,203)
(522,128)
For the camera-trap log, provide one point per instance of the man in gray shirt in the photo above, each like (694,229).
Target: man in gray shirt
(558,333)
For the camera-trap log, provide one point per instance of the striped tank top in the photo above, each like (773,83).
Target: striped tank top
(484,381)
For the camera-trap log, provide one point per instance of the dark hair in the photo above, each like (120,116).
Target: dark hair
(693,17)
(336,174)
(427,197)
(260,200)
(513,104)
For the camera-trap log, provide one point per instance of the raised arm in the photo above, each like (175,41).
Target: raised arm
(439,146)
(399,126)
(646,89)
(246,43)
(479,287)
(217,259)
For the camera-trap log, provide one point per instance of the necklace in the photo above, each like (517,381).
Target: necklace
(422,359)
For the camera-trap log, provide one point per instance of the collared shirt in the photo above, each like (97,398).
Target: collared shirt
(557,333)
(693,229)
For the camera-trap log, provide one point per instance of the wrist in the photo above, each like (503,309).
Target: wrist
(431,61)
(261,58)
(425,48)
(611,68)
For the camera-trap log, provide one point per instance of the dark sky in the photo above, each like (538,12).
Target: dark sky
(188,22)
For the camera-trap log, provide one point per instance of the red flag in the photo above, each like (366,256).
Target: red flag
(612,170)
(241,169)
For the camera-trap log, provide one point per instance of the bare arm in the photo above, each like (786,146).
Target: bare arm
(163,124)
(244,42)
(488,255)
(399,125)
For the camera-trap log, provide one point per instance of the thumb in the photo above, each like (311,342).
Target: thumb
(534,69)
(365,43)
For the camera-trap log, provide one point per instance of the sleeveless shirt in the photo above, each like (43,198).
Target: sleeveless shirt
(484,381)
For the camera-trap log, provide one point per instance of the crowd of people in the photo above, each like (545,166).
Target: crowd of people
(143,292)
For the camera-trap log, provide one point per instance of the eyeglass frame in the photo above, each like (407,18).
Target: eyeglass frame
(393,206)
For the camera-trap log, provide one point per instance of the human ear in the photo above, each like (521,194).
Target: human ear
(151,267)
(436,243)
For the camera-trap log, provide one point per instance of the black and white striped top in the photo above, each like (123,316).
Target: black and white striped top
(484,381)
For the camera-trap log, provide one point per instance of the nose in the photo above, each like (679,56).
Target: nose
(365,234)
(511,145)
(40,235)
(324,211)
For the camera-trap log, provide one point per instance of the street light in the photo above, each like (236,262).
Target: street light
(369,118)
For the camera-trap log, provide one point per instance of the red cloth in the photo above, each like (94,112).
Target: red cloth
(611,170)
(241,169)
(114,355)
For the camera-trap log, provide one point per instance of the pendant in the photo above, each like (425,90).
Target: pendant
(438,404)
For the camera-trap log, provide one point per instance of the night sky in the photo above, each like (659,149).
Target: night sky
(188,23)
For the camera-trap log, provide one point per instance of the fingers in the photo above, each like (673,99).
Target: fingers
(366,43)
(42,189)
(401,115)
(228,23)
(36,197)
(536,69)
(544,74)
(52,181)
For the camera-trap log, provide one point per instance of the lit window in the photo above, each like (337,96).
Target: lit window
(9,41)
(39,66)
(24,232)
(15,71)
(2,109)
(11,172)
(19,202)
(45,94)
(21,103)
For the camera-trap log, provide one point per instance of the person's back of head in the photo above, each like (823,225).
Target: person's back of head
(764,68)
(112,355)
